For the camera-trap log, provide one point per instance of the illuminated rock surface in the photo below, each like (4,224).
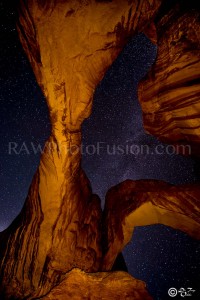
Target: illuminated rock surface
(70,45)
(78,285)
(170,93)
(146,202)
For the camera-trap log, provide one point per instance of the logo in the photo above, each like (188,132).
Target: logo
(173,292)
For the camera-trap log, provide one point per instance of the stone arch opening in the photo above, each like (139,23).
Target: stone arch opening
(117,118)
(116,121)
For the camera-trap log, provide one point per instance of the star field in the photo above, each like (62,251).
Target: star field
(160,256)
(164,258)
(117,120)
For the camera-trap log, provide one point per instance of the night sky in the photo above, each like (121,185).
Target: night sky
(160,256)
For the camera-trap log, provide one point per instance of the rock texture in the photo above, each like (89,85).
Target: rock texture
(170,93)
(78,285)
(70,45)
(146,202)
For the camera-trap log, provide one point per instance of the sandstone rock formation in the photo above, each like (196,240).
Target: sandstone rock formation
(170,93)
(70,45)
(146,202)
(78,285)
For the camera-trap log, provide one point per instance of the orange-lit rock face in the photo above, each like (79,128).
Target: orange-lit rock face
(145,202)
(170,93)
(70,45)
(78,285)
